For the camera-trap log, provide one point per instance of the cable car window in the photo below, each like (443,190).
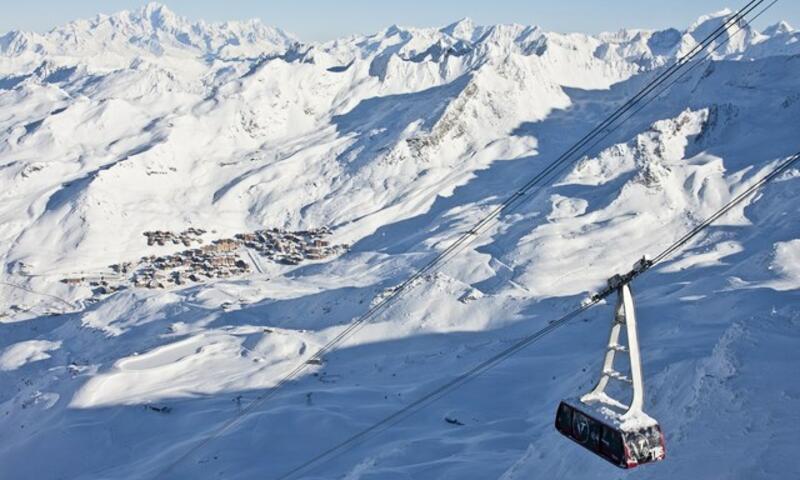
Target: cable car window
(611,445)
(564,419)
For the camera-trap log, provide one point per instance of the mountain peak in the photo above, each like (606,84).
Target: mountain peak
(153,29)
(707,24)
(460,29)
(710,21)
(158,15)
(777,29)
(725,12)
(152,8)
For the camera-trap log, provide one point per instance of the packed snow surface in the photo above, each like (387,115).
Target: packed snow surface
(396,142)
(21,353)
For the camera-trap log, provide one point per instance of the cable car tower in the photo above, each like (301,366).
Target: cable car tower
(622,434)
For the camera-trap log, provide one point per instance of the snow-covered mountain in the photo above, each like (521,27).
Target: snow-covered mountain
(189,210)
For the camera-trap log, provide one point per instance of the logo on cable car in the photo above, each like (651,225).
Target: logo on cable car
(580,427)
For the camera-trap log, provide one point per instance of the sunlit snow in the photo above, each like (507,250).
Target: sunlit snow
(397,142)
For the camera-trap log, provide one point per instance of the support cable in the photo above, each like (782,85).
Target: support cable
(470,235)
(640,269)
(527,340)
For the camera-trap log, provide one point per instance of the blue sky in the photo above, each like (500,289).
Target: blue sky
(327,19)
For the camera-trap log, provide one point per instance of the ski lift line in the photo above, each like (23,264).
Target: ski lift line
(527,340)
(475,231)
(430,397)
(649,88)
(508,205)
(516,198)
(519,201)
(646,264)
(664,89)
(471,235)
(398,416)
(782,168)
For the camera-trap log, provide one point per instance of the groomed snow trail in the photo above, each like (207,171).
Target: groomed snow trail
(396,141)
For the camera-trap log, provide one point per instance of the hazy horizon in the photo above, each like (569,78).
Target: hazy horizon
(352,17)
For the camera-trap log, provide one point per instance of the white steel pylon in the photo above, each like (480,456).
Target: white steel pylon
(624,316)
(622,434)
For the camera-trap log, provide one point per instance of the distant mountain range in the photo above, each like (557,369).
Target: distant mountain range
(260,145)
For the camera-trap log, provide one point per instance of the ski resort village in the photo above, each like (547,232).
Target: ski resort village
(553,240)
(221,258)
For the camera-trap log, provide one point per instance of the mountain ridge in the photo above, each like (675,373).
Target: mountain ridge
(183,222)
(155,30)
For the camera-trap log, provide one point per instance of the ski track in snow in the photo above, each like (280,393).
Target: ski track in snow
(398,141)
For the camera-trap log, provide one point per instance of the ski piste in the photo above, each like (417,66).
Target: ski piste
(332,171)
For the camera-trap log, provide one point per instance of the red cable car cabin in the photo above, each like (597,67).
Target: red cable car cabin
(622,434)
(625,449)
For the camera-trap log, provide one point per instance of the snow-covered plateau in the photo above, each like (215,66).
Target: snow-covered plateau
(189,210)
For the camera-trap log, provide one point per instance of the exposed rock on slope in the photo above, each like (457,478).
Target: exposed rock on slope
(143,122)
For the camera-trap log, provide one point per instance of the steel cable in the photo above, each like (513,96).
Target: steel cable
(527,340)
(468,237)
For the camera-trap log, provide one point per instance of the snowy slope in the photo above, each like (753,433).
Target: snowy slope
(397,142)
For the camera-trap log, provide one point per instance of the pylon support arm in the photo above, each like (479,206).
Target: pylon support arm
(624,317)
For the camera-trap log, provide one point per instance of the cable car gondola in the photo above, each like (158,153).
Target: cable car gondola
(622,434)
